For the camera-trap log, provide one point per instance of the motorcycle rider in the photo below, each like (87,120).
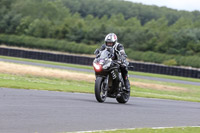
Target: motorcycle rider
(119,54)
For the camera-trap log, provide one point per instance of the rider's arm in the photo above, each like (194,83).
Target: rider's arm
(123,55)
(121,50)
(98,51)
(102,47)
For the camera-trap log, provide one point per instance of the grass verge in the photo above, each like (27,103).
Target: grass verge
(47,62)
(151,130)
(90,67)
(44,83)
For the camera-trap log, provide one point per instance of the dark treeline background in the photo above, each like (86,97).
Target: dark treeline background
(149,33)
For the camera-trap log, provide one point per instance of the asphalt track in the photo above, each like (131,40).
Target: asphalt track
(88,70)
(29,111)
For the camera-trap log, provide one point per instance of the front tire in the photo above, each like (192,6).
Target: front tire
(100,92)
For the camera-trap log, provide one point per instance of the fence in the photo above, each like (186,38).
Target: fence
(82,60)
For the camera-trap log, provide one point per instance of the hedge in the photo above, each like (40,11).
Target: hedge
(48,44)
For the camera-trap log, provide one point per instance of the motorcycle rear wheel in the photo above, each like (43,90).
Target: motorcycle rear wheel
(123,98)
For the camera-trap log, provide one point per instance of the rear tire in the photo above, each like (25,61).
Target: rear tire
(124,97)
(100,93)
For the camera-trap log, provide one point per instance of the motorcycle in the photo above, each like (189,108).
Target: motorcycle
(109,81)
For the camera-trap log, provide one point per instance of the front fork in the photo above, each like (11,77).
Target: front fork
(118,80)
(105,83)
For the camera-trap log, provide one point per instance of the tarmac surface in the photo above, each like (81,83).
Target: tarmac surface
(29,111)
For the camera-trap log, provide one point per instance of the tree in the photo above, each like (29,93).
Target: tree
(39,28)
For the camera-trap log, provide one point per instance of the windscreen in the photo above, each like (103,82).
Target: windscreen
(104,54)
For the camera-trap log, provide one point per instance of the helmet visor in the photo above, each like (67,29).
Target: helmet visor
(109,43)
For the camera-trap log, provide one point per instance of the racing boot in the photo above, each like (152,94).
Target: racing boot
(127,84)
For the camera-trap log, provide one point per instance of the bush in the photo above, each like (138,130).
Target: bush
(171,62)
(48,44)
(193,61)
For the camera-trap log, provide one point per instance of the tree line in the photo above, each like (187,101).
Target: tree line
(139,27)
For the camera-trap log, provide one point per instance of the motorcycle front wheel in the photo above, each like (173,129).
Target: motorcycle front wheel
(100,92)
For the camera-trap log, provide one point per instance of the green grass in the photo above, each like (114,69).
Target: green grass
(90,67)
(164,76)
(192,92)
(187,86)
(142,92)
(150,130)
(43,83)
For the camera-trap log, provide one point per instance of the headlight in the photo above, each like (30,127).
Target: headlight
(97,67)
